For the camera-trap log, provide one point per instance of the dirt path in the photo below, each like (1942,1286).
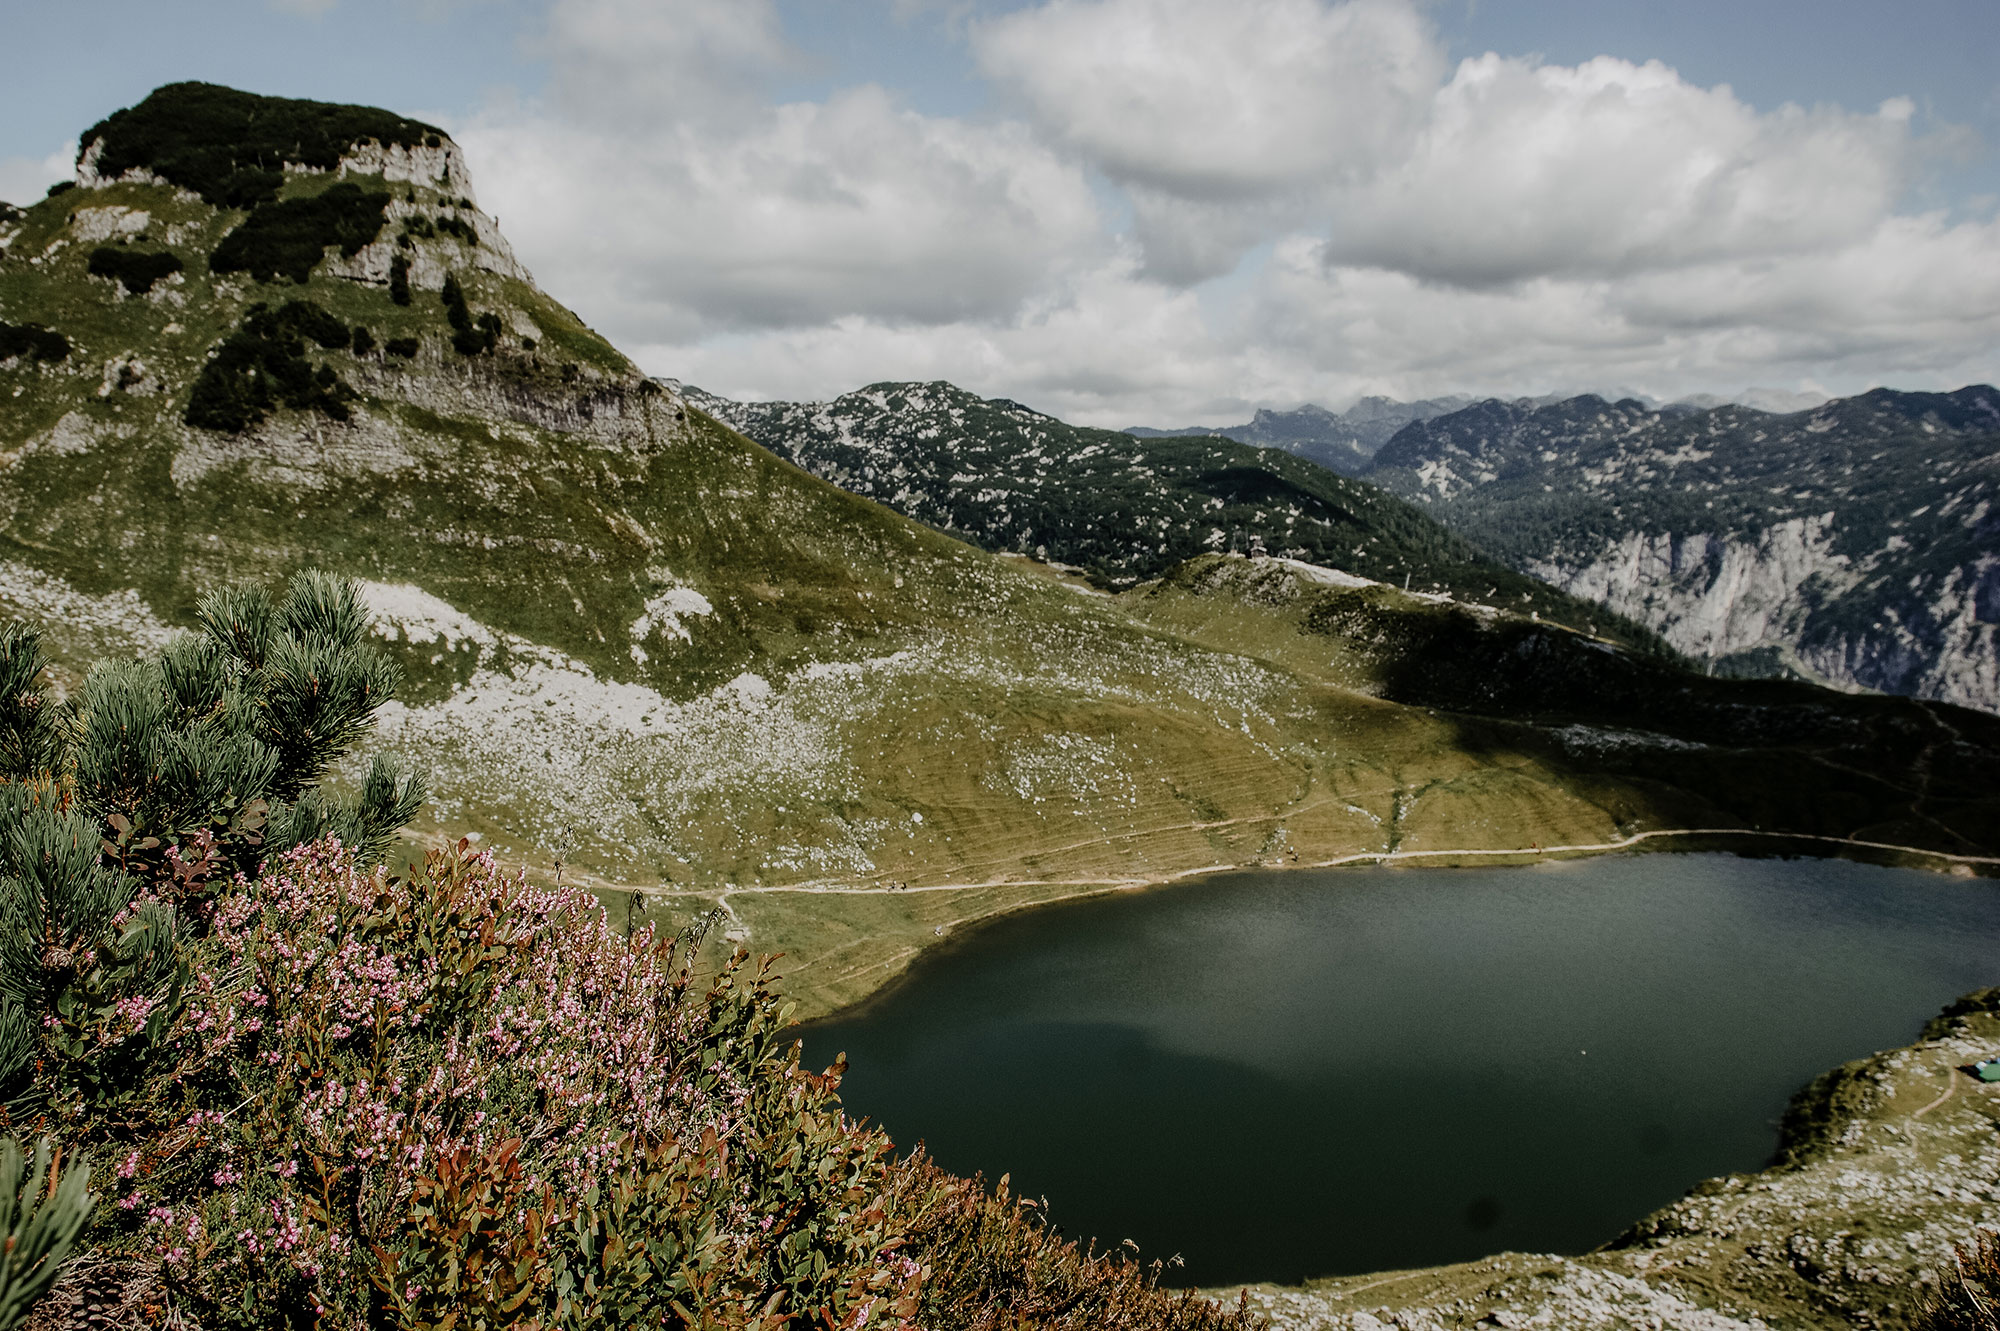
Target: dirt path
(1359,857)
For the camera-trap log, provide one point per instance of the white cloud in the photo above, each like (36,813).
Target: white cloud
(814,212)
(1610,167)
(637,66)
(24,180)
(1225,123)
(664,225)
(1201,100)
(1383,224)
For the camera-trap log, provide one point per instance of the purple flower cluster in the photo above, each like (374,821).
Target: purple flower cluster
(347,1040)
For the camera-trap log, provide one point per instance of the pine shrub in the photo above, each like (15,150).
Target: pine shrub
(263,365)
(136,270)
(122,808)
(405,347)
(288,237)
(43,1208)
(361,341)
(232,147)
(32,341)
(399,280)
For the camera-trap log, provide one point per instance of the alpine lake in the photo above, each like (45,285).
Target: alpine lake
(1282,1075)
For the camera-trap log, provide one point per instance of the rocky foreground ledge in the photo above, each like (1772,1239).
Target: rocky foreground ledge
(1883,1165)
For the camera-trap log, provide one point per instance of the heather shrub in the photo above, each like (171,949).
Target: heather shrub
(993,1262)
(388,1099)
(449,1098)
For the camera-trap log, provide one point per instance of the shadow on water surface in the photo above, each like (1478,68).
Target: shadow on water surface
(1281,1076)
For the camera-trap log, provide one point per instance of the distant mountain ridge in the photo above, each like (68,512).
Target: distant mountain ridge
(1341,441)
(1857,542)
(1118,507)
(1346,441)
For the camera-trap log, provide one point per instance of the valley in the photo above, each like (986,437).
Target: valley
(847,680)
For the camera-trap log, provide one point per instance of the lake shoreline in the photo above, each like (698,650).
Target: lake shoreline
(1744,842)
(1880,1175)
(1712,986)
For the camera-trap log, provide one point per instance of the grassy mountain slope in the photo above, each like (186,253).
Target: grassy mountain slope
(1854,542)
(1121,508)
(636,640)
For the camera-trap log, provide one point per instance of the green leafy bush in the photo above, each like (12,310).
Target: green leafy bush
(231,147)
(136,270)
(263,365)
(287,237)
(32,341)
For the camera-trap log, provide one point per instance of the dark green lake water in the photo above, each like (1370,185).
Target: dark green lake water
(1285,1075)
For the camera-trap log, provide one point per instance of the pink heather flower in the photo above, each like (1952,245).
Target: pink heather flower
(129,1166)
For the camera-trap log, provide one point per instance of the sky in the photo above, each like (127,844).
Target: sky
(1167,212)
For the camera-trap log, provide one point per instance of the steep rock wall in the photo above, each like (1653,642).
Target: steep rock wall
(1780,592)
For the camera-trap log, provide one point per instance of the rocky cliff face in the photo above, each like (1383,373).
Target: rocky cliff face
(1854,543)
